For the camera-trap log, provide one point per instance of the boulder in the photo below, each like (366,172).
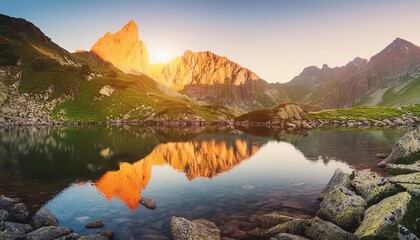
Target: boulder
(43,217)
(287,236)
(10,230)
(404,234)
(19,212)
(107,90)
(321,230)
(148,202)
(182,229)
(380,220)
(48,233)
(339,179)
(273,219)
(71,236)
(7,203)
(343,208)
(407,145)
(295,226)
(4,215)
(404,168)
(371,186)
(411,182)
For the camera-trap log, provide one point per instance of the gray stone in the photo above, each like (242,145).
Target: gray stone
(371,186)
(339,179)
(182,229)
(405,234)
(407,145)
(322,230)
(43,217)
(412,178)
(343,208)
(148,202)
(107,90)
(7,203)
(296,226)
(4,215)
(273,219)
(19,212)
(9,230)
(48,233)
(287,236)
(405,168)
(381,219)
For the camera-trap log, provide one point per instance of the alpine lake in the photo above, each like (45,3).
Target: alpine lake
(225,175)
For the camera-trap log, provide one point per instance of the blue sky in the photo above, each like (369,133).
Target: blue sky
(276,39)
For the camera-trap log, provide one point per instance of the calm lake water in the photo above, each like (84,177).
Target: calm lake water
(89,173)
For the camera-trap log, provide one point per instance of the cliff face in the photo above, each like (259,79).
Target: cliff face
(124,50)
(201,68)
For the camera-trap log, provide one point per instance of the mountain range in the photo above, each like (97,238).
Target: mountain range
(115,80)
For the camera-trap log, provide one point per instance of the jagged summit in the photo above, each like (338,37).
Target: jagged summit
(124,50)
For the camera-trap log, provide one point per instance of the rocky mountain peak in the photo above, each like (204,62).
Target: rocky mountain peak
(124,50)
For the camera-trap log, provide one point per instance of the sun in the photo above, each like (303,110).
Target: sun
(161,56)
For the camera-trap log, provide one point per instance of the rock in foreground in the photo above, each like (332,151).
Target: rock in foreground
(371,186)
(95,224)
(381,219)
(287,236)
(407,145)
(322,230)
(404,168)
(273,219)
(182,229)
(343,208)
(43,218)
(48,233)
(148,202)
(296,226)
(339,179)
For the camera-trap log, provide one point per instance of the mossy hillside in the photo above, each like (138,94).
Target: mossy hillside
(365,113)
(136,97)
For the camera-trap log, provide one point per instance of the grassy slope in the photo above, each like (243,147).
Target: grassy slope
(362,113)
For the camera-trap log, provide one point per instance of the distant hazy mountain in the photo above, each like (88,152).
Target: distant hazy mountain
(391,77)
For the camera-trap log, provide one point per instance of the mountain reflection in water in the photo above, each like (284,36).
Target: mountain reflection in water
(194,158)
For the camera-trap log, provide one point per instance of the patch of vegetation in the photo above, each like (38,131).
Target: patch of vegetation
(411,219)
(364,113)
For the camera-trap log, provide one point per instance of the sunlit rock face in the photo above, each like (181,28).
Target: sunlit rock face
(124,50)
(126,183)
(201,68)
(196,159)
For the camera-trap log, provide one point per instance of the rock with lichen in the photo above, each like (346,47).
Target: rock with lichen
(381,220)
(182,229)
(339,179)
(320,230)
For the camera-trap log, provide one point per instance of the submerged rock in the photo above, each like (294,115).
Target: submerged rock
(287,236)
(43,218)
(343,208)
(295,226)
(405,234)
(371,186)
(339,179)
(321,230)
(182,229)
(95,224)
(407,145)
(382,155)
(148,202)
(10,230)
(404,168)
(273,219)
(381,219)
(48,233)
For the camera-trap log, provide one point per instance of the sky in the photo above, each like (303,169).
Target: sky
(276,39)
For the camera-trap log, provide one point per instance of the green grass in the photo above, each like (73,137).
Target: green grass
(364,113)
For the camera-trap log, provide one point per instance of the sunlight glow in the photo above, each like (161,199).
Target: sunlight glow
(161,56)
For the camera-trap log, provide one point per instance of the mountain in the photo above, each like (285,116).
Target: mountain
(391,77)
(124,50)
(207,77)
(42,83)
